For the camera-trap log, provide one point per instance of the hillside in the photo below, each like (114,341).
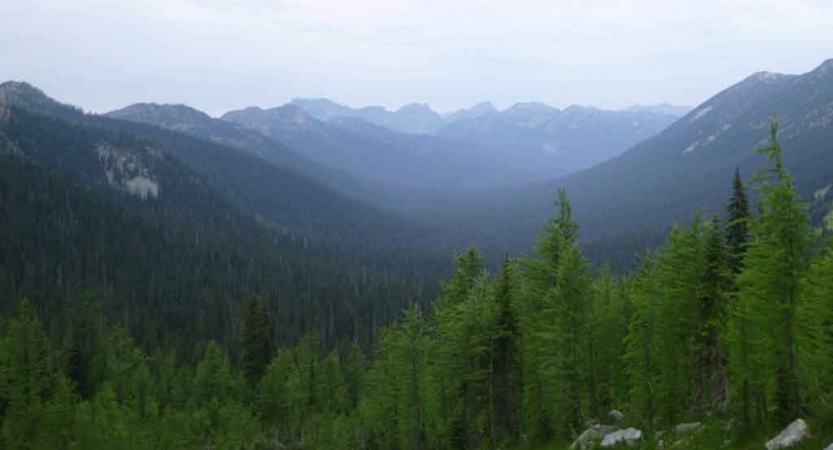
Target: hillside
(559,142)
(171,250)
(196,123)
(684,169)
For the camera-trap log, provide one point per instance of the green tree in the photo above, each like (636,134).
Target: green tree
(815,335)
(505,364)
(28,378)
(257,340)
(737,229)
(538,279)
(764,328)
(272,396)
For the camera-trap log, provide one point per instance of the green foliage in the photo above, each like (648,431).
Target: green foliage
(764,359)
(719,321)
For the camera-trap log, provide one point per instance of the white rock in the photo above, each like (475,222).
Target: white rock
(684,428)
(829,447)
(793,434)
(616,416)
(592,436)
(628,437)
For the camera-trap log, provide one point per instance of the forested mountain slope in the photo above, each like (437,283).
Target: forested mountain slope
(196,123)
(90,205)
(559,142)
(268,186)
(401,162)
(637,196)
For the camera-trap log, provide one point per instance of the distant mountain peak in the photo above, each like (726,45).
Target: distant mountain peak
(478,110)
(766,77)
(22,94)
(20,88)
(416,107)
(824,67)
(178,112)
(531,105)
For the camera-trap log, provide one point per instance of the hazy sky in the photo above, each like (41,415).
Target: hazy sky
(218,55)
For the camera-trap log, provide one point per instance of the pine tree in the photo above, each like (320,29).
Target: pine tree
(539,278)
(354,375)
(257,340)
(815,335)
(712,379)
(564,342)
(213,381)
(28,378)
(506,371)
(768,292)
(84,353)
(642,354)
(273,402)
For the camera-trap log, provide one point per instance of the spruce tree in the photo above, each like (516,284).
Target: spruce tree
(737,228)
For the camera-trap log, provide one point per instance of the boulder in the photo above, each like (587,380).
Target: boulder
(829,447)
(616,416)
(628,437)
(685,428)
(793,434)
(592,436)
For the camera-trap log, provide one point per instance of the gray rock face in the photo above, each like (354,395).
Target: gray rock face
(616,416)
(591,436)
(628,437)
(829,447)
(793,434)
(685,428)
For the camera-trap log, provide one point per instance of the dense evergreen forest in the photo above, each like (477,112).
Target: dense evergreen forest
(729,324)
(173,270)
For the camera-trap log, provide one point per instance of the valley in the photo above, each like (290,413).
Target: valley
(313,275)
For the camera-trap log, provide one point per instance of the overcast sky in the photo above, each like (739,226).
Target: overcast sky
(219,55)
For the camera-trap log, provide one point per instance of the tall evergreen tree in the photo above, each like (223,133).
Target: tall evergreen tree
(539,279)
(776,260)
(84,353)
(257,340)
(712,380)
(737,229)
(506,371)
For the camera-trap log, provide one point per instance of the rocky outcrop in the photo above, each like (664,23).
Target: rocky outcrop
(628,437)
(796,432)
(685,428)
(592,436)
(616,416)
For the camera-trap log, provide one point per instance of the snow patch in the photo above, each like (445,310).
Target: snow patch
(702,112)
(550,148)
(821,193)
(691,147)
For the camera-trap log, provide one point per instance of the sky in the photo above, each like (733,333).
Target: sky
(219,55)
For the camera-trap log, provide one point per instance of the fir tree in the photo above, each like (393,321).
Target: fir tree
(737,229)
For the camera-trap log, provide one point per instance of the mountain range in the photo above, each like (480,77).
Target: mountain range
(685,169)
(480,149)
(163,223)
